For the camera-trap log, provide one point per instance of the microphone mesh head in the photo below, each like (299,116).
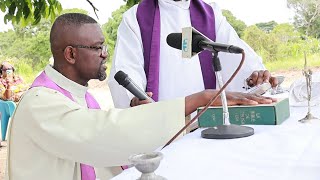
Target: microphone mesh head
(175,40)
(121,77)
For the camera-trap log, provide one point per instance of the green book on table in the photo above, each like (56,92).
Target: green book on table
(266,114)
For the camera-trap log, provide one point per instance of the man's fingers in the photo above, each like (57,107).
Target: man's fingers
(144,102)
(241,101)
(266,76)
(134,102)
(251,81)
(260,99)
(273,81)
(248,99)
(149,94)
(260,78)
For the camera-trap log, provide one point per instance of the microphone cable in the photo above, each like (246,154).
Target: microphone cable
(214,98)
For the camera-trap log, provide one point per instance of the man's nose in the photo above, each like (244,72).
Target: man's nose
(104,54)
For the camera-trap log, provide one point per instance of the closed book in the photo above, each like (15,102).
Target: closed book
(264,114)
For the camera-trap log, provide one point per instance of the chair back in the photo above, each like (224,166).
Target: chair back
(6,109)
(12,106)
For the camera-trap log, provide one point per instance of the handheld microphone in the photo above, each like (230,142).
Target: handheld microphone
(124,80)
(200,43)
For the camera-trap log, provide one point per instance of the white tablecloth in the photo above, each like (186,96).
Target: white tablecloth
(289,151)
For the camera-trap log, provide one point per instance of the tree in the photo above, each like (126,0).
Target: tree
(111,27)
(267,26)
(29,11)
(28,48)
(289,42)
(131,3)
(266,45)
(26,12)
(307,16)
(238,25)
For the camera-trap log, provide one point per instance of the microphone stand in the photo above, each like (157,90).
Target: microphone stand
(226,130)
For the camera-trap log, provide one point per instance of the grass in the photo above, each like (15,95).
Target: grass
(293,63)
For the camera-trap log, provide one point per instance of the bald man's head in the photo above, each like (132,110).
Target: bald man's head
(64,26)
(77,45)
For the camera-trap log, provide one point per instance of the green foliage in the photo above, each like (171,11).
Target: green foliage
(282,42)
(24,12)
(28,48)
(28,51)
(74,10)
(31,42)
(288,40)
(131,3)
(238,25)
(110,30)
(111,27)
(293,63)
(307,16)
(267,26)
(22,68)
(6,40)
(264,44)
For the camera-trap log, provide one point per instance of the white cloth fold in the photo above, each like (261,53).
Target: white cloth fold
(299,95)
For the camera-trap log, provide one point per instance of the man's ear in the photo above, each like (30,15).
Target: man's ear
(69,54)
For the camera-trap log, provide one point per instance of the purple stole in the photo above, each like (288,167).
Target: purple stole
(148,16)
(87,172)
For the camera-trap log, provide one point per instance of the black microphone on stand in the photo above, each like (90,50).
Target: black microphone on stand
(200,43)
(124,80)
(194,42)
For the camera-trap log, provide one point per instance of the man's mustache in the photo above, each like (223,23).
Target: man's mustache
(103,62)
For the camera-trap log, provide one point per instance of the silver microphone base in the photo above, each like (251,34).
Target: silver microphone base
(227,132)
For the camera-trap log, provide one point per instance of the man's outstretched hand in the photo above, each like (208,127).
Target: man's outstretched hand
(233,98)
(201,99)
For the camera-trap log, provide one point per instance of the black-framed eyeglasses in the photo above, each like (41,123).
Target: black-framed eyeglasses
(4,69)
(103,48)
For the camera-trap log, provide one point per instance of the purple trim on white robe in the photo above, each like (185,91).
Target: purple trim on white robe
(87,172)
(148,16)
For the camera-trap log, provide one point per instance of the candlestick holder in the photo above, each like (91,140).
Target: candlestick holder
(308,75)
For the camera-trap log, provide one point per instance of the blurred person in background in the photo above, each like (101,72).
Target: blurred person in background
(12,86)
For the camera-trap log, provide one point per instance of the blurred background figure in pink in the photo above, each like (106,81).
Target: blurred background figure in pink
(12,86)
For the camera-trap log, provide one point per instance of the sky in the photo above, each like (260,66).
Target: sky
(249,11)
